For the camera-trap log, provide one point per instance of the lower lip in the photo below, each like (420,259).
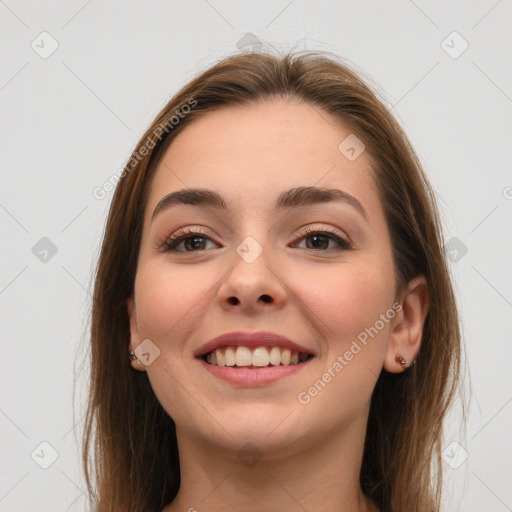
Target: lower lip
(253,377)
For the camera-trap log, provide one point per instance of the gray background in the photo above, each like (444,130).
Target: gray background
(70,120)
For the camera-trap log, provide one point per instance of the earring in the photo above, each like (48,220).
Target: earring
(132,355)
(401,360)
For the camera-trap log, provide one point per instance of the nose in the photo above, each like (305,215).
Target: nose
(253,285)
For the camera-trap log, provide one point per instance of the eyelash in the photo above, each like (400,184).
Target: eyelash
(183,234)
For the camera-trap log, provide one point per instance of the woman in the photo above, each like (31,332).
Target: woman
(273,326)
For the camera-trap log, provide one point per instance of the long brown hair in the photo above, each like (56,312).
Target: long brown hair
(136,460)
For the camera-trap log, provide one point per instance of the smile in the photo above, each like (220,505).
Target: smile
(258,367)
(255,358)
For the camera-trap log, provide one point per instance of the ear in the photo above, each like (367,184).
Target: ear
(407,326)
(134,333)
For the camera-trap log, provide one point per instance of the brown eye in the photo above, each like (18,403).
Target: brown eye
(319,240)
(193,241)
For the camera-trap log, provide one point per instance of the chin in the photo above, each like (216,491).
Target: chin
(270,428)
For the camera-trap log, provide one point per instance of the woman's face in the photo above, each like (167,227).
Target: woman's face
(257,267)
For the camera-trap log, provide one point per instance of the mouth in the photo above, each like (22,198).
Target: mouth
(254,358)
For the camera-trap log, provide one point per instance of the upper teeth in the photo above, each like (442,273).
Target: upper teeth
(259,356)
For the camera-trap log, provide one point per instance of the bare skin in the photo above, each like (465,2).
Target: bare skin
(305,456)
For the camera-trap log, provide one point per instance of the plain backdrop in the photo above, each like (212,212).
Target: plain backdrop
(81,80)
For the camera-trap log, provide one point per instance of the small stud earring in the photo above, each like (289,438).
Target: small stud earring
(401,360)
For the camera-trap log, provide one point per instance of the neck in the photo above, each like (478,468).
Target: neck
(322,476)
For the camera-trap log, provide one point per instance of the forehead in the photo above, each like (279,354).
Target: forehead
(251,153)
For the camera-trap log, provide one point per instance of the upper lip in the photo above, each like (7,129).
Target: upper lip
(250,340)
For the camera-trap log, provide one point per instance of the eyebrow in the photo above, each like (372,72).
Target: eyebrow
(293,198)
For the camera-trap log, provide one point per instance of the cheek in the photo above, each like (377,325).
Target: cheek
(346,304)
(170,299)
(345,300)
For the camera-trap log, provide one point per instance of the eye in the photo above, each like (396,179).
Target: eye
(192,239)
(321,238)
